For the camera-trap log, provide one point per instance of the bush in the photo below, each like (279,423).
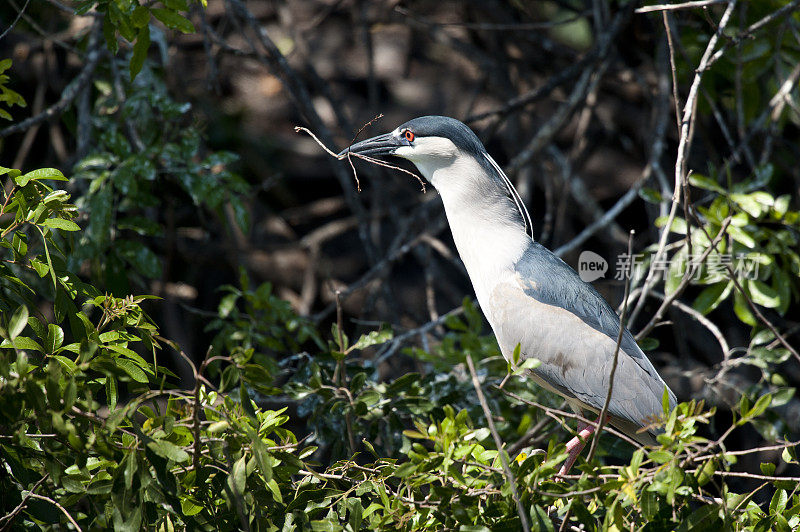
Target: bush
(284,425)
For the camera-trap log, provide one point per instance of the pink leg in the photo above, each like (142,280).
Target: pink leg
(576,445)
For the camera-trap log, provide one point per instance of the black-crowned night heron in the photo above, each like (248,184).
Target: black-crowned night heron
(530,297)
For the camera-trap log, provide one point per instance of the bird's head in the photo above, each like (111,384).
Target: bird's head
(452,158)
(430,142)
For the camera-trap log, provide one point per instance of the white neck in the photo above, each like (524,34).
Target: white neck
(486,228)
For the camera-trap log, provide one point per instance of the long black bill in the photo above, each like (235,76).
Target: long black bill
(374,147)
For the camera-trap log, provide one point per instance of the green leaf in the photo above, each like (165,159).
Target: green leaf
(110,35)
(748,203)
(55,337)
(760,406)
(20,243)
(763,294)
(700,518)
(705,182)
(41,268)
(712,296)
(132,369)
(140,50)
(50,267)
(18,322)
(778,503)
(22,342)
(111,392)
(173,20)
(660,457)
(650,195)
(768,468)
(742,309)
(373,338)
(238,477)
(62,224)
(678,224)
(168,450)
(356,510)
(140,16)
(12,172)
(44,173)
(741,236)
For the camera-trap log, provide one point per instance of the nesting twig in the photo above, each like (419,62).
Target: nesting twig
(349,155)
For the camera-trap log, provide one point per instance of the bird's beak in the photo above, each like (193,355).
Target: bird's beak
(374,147)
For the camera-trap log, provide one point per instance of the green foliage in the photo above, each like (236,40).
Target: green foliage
(763,233)
(131,20)
(758,248)
(93,434)
(8,96)
(148,158)
(88,423)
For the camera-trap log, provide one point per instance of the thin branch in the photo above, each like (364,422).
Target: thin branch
(585,84)
(57,505)
(675,7)
(604,412)
(683,150)
(196,407)
(11,515)
(16,20)
(69,93)
(685,280)
(512,483)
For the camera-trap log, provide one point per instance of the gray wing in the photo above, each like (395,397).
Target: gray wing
(567,325)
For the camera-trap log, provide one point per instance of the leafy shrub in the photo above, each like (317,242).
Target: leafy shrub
(93,437)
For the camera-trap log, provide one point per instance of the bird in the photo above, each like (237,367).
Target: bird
(531,298)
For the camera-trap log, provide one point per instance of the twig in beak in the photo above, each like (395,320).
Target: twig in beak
(365,126)
(349,155)
(298,129)
(332,154)
(387,165)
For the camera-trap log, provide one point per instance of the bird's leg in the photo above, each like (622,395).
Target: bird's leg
(576,444)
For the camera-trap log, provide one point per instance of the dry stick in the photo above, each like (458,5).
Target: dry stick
(70,92)
(512,483)
(198,373)
(57,505)
(367,158)
(588,80)
(604,411)
(19,16)
(558,415)
(365,126)
(685,280)
(686,131)
(13,514)
(349,160)
(675,7)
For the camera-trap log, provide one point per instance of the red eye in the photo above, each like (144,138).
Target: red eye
(409,135)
